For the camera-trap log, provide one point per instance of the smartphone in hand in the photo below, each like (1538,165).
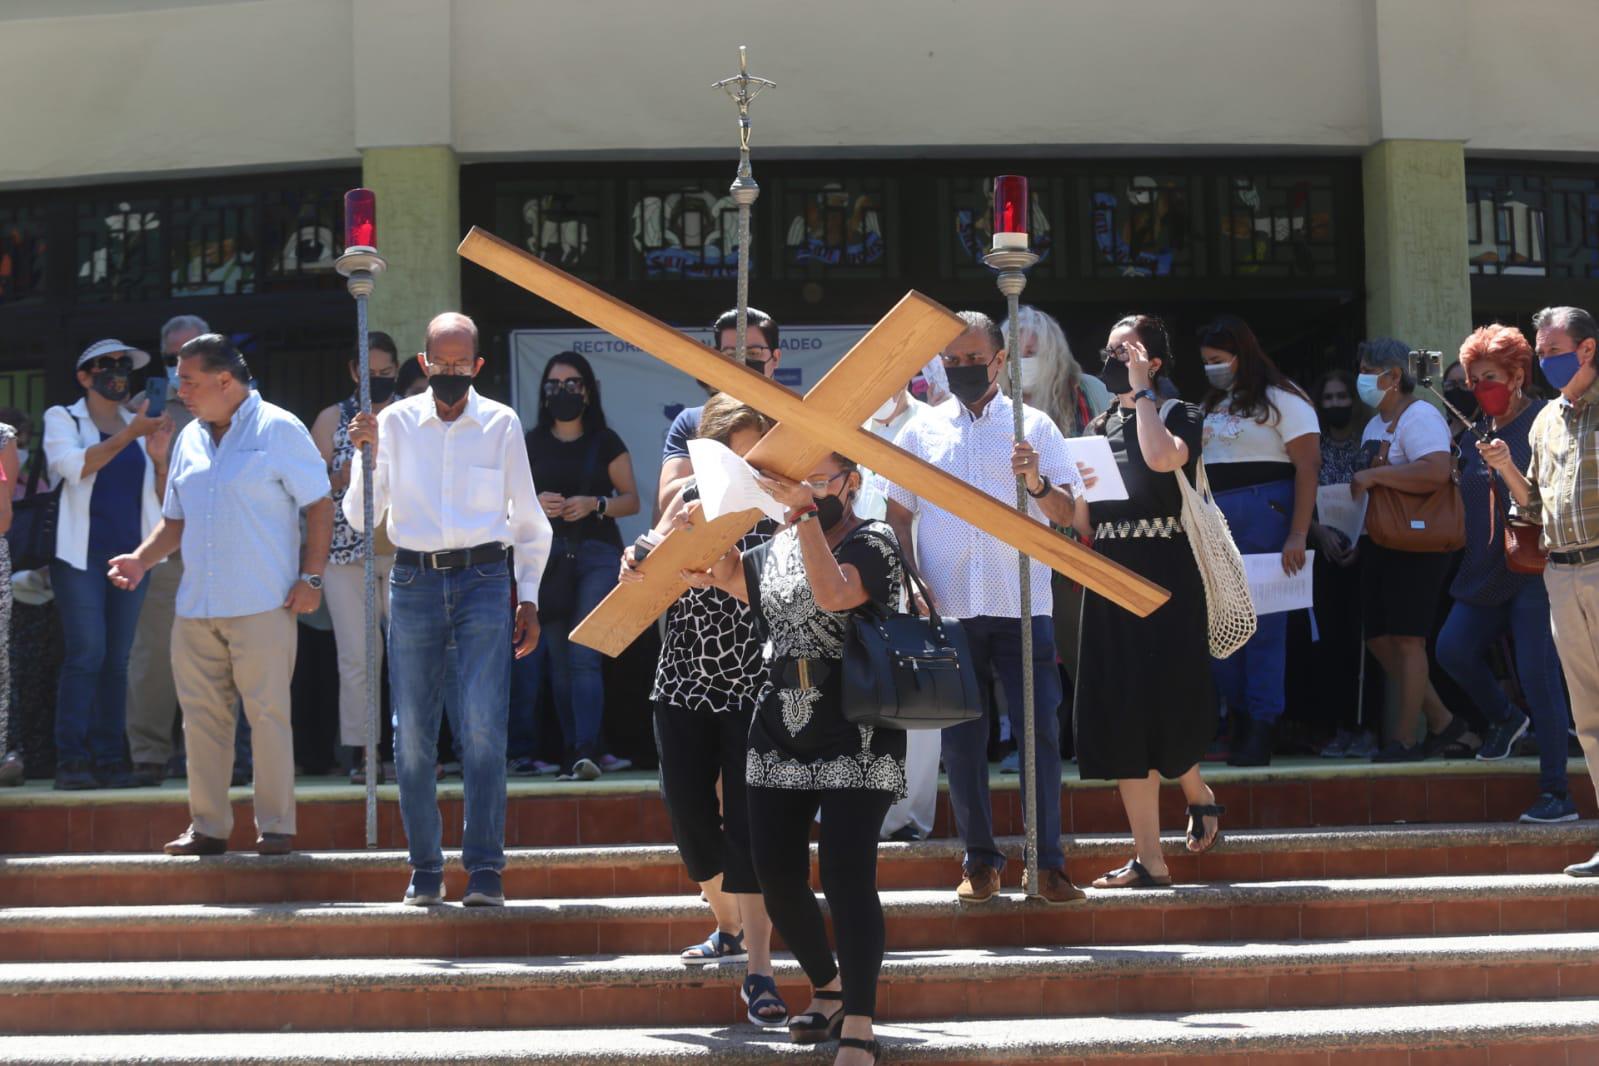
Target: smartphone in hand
(155,390)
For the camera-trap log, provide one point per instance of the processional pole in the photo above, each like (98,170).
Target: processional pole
(1011,258)
(360,264)
(743,88)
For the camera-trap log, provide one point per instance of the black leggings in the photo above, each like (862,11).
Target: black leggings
(780,843)
(695,748)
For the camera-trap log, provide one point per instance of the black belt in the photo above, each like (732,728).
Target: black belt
(454,558)
(801,673)
(1578,557)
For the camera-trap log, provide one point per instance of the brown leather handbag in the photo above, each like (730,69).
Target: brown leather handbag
(1415,521)
(1524,553)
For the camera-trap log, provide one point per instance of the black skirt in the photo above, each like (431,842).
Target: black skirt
(1145,700)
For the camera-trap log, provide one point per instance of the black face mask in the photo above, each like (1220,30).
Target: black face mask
(382,388)
(1463,399)
(449,389)
(1337,417)
(1114,375)
(968,384)
(757,365)
(112,384)
(830,511)
(565,406)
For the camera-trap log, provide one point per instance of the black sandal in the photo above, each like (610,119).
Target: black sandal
(1197,813)
(1142,878)
(814,1027)
(760,990)
(862,1045)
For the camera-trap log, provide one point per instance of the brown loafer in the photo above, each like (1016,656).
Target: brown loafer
(274,844)
(196,843)
(980,884)
(1056,889)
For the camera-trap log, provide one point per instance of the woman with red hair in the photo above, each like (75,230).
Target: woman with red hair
(1490,600)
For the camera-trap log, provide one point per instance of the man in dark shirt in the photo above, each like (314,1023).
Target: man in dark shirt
(761,352)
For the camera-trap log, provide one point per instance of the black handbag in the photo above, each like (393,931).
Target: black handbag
(32,536)
(558,585)
(902,671)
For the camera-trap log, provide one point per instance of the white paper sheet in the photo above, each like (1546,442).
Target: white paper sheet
(1336,508)
(1274,591)
(1094,453)
(726,482)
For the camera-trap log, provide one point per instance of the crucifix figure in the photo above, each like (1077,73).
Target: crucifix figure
(743,88)
(828,419)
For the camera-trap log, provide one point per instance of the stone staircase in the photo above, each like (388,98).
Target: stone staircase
(1321,932)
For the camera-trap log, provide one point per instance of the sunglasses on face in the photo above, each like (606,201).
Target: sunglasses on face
(572,386)
(451,370)
(109,363)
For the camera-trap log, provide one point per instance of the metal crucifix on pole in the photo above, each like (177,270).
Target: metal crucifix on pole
(743,88)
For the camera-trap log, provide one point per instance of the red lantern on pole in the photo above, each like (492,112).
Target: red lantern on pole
(360,219)
(1010,212)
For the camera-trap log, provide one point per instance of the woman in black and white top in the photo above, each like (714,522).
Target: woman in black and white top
(706,680)
(805,756)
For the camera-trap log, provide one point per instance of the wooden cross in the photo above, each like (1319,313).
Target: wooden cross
(828,419)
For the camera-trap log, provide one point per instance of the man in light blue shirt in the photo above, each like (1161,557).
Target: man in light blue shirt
(239,476)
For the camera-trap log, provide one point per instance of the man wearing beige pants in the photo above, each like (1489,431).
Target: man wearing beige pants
(239,477)
(1560,490)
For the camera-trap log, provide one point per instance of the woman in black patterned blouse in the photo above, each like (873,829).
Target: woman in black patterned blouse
(805,757)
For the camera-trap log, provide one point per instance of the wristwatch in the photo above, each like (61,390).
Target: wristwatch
(599,507)
(312,580)
(1146,393)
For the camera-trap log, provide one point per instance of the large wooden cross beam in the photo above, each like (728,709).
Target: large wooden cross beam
(829,419)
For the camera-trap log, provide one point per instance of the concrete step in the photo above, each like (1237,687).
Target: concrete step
(1197,913)
(654,869)
(626,808)
(1536,1033)
(413,994)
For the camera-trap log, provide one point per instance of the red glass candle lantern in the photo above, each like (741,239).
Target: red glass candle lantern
(360,219)
(1010,212)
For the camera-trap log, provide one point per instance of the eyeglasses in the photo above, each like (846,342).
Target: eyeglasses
(960,360)
(109,363)
(1118,352)
(762,352)
(451,370)
(571,386)
(819,486)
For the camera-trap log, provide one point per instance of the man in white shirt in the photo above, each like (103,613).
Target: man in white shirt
(973,577)
(452,472)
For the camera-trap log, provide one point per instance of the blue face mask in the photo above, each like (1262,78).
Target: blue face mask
(1371,393)
(1559,369)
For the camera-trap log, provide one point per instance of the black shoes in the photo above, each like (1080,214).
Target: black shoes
(1255,746)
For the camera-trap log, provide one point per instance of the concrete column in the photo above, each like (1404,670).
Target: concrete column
(419,226)
(1418,289)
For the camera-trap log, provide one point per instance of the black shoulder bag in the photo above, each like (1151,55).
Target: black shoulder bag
(558,586)
(32,536)
(902,671)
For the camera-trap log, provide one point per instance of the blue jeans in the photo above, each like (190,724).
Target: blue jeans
(574,671)
(1463,644)
(1251,678)
(451,628)
(996,646)
(98,622)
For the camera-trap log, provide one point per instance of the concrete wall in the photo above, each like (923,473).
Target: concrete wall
(1416,280)
(118,88)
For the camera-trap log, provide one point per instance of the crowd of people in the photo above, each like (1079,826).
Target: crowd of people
(156,509)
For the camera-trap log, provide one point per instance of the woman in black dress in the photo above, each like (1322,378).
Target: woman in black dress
(805,757)
(1145,705)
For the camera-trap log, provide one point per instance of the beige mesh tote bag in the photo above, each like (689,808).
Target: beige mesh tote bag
(1229,610)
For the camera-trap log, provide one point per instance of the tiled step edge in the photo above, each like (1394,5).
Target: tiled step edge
(1217,1033)
(170,978)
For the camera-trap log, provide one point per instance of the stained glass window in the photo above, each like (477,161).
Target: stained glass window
(1532,225)
(835,228)
(304,235)
(684,230)
(1142,225)
(562,222)
(1276,226)
(22,253)
(968,205)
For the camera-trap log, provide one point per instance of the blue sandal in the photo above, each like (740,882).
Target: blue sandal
(760,993)
(719,947)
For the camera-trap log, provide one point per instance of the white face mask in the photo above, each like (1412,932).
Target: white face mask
(1030,371)
(885,412)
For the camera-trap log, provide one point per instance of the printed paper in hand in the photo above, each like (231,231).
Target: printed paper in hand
(1094,453)
(727,483)
(1341,511)
(1274,591)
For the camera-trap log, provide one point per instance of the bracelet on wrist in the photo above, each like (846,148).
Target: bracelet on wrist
(800,514)
(1043,488)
